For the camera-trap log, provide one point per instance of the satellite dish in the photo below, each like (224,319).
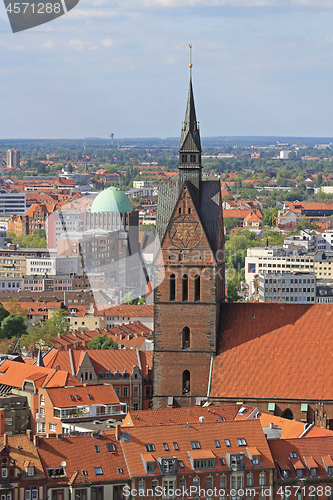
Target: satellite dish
(63,463)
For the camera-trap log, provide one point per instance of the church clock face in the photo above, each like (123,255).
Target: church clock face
(185,231)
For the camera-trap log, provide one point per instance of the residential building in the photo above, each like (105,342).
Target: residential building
(60,408)
(303,466)
(232,457)
(323,265)
(14,414)
(253,222)
(36,311)
(13,158)
(129,371)
(287,287)
(83,466)
(117,315)
(12,266)
(11,285)
(22,475)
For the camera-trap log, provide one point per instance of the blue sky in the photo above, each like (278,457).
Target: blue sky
(260,67)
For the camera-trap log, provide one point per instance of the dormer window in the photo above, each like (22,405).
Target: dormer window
(313,471)
(285,474)
(299,473)
(30,471)
(330,470)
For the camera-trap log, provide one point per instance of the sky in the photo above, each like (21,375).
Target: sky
(260,67)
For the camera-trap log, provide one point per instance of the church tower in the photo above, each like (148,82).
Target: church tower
(187,302)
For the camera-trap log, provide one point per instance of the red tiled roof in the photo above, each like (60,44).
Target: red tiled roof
(205,433)
(61,397)
(128,310)
(172,416)
(72,449)
(13,374)
(291,428)
(274,351)
(318,448)
(26,455)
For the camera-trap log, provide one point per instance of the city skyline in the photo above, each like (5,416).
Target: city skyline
(261,68)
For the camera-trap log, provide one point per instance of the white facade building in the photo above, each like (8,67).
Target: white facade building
(40,266)
(260,260)
(287,287)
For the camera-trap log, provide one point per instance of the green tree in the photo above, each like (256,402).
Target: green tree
(60,322)
(40,335)
(3,313)
(12,325)
(102,342)
(232,292)
(130,298)
(231,222)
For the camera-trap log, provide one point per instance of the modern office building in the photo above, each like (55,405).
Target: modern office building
(287,287)
(13,158)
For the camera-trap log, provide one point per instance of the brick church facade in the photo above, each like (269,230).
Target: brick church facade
(187,303)
(275,356)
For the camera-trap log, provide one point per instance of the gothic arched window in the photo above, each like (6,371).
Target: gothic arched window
(186,382)
(186,340)
(172,287)
(197,288)
(185,287)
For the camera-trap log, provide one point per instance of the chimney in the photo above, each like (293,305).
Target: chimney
(29,434)
(5,439)
(271,425)
(36,441)
(118,432)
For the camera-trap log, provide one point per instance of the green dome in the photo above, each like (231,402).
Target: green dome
(111,200)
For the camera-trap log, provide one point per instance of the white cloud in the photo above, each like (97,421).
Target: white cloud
(107,43)
(48,45)
(77,44)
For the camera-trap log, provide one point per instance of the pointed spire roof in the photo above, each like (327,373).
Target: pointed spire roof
(190,136)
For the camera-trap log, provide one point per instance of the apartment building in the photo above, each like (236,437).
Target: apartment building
(287,287)
(323,265)
(59,408)
(12,266)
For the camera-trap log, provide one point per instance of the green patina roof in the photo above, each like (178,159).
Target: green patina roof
(111,200)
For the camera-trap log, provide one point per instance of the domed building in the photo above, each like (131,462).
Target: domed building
(111,239)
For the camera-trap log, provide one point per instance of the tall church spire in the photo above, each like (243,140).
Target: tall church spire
(190,145)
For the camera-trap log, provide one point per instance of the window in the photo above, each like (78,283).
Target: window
(97,449)
(196,483)
(175,445)
(186,382)
(249,480)
(56,472)
(98,471)
(181,464)
(217,443)
(53,427)
(136,391)
(313,472)
(154,485)
(27,495)
(241,442)
(97,493)
(262,479)
(110,447)
(185,287)
(84,472)
(186,337)
(227,443)
(204,463)
(197,288)
(42,399)
(165,447)
(172,287)
(195,445)
(125,392)
(150,447)
(209,483)
(80,494)
(141,488)
(223,482)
